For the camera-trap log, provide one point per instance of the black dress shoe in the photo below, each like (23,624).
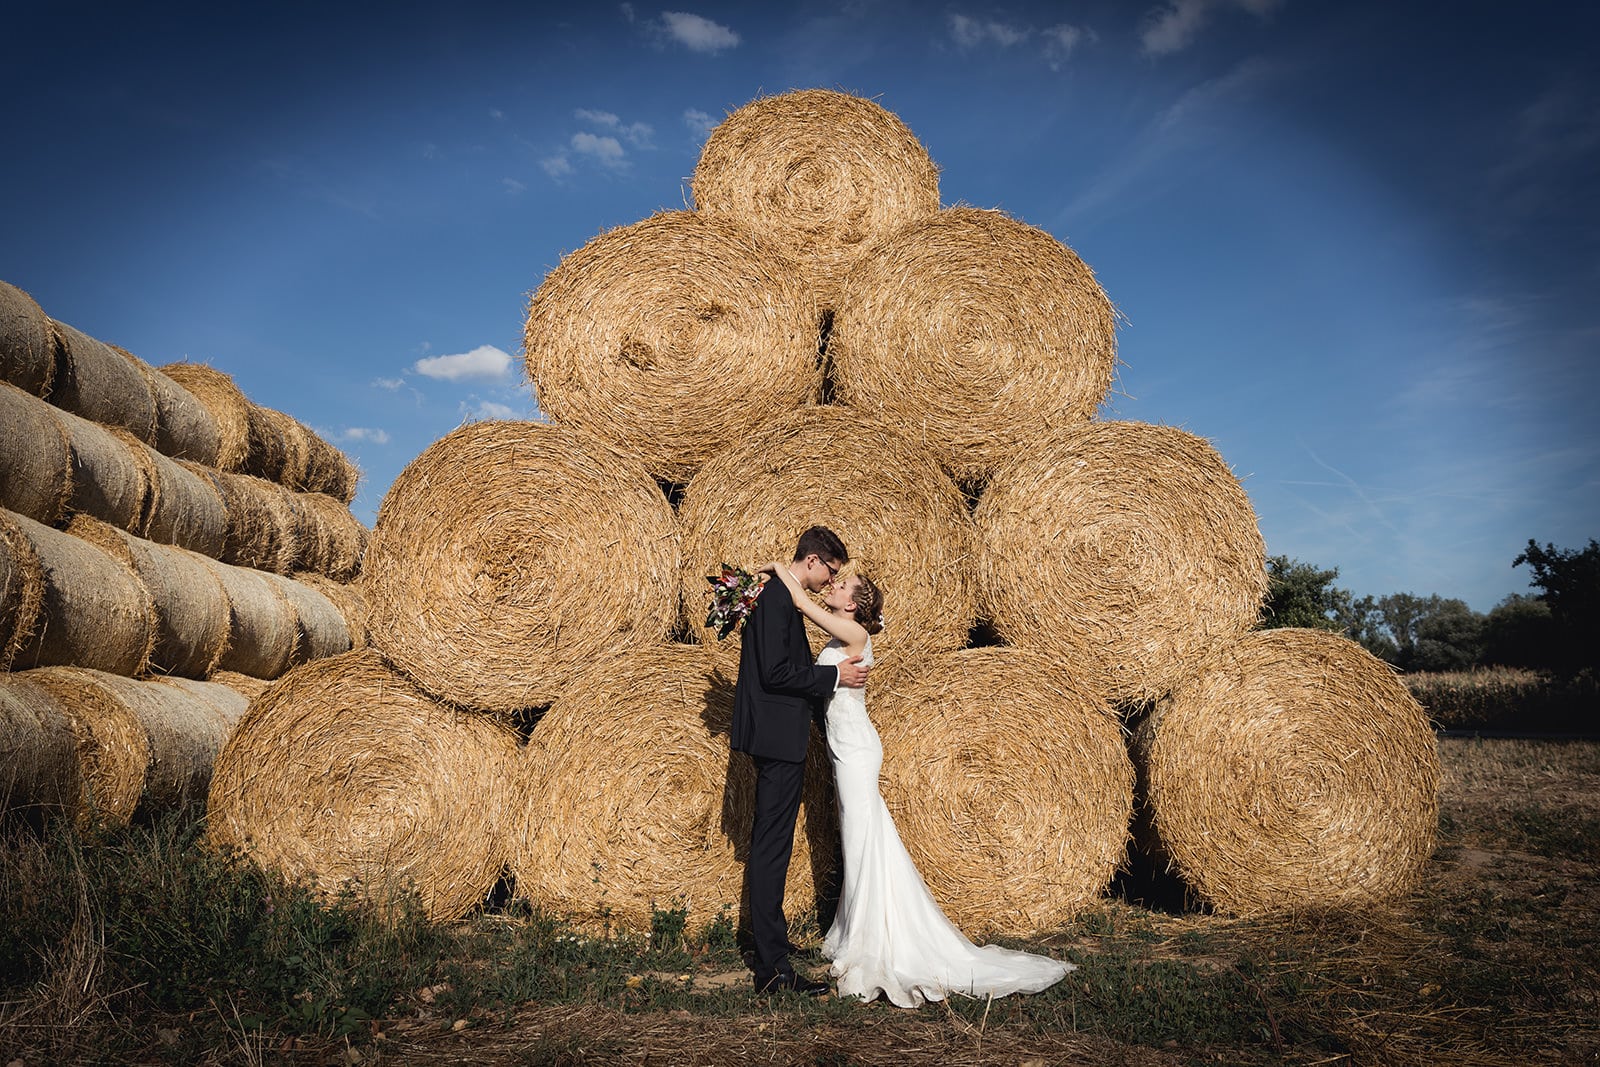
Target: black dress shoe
(790,982)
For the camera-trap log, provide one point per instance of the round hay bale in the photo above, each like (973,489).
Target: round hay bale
(27,349)
(509,555)
(887,498)
(976,334)
(296,446)
(328,470)
(101,384)
(1292,769)
(185,508)
(346,598)
(35,461)
(93,611)
(331,539)
(111,748)
(320,625)
(672,338)
(191,607)
(262,527)
(109,479)
(266,453)
(1123,549)
(21,589)
(247,687)
(228,406)
(185,428)
(38,750)
(263,626)
(344,774)
(822,174)
(1009,782)
(633,800)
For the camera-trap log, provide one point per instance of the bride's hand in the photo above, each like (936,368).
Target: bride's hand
(769,568)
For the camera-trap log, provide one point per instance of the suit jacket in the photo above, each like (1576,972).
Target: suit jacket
(779,685)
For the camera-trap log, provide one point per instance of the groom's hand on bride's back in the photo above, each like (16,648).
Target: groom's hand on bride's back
(852,674)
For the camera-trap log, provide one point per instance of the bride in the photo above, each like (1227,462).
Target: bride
(888,935)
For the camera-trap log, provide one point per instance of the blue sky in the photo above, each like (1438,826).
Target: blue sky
(1357,244)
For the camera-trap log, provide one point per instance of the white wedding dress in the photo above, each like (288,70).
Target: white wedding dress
(889,935)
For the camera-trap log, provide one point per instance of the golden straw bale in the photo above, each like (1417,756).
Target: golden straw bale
(38,749)
(1123,549)
(27,348)
(320,624)
(263,625)
(296,445)
(185,428)
(330,539)
(883,495)
(227,404)
(347,598)
(1009,782)
(633,800)
(344,774)
(101,384)
(672,337)
(111,750)
(262,527)
(328,470)
(21,590)
(1292,769)
(191,607)
(509,555)
(266,453)
(823,174)
(35,461)
(93,612)
(974,333)
(108,480)
(185,508)
(243,684)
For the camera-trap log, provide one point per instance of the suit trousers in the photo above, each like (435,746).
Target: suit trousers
(778,788)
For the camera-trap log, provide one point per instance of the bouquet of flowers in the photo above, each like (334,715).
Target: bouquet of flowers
(733,594)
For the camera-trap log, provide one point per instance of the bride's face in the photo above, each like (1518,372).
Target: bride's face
(841,593)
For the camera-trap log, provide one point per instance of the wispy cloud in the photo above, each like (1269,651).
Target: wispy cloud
(606,150)
(638,134)
(700,123)
(1173,26)
(1056,43)
(391,384)
(476,409)
(697,33)
(365,433)
(969,32)
(486,362)
(512,186)
(557,166)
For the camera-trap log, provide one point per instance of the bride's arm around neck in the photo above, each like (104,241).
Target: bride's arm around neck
(846,629)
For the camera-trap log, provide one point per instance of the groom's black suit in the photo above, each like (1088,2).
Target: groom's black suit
(778,690)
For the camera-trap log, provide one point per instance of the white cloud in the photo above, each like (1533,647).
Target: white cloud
(1174,26)
(627,12)
(476,409)
(485,362)
(698,34)
(608,150)
(556,166)
(496,113)
(637,134)
(513,186)
(391,384)
(364,433)
(699,122)
(1059,43)
(970,32)
(599,118)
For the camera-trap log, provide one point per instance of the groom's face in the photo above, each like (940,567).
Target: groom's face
(819,572)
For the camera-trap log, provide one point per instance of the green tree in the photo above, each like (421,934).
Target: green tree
(1570,579)
(1519,632)
(1448,638)
(1363,623)
(1303,595)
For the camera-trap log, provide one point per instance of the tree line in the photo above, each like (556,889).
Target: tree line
(1556,629)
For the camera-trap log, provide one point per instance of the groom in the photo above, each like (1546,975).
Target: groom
(777,691)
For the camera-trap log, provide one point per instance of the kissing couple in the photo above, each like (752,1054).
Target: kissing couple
(888,936)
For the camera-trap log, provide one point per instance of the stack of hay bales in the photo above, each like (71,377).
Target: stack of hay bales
(818,341)
(148,544)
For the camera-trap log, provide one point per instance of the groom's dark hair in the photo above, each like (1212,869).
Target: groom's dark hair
(822,541)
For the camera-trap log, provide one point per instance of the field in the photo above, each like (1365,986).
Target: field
(138,946)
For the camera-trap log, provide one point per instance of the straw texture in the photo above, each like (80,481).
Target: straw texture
(975,334)
(243,684)
(1124,550)
(343,773)
(509,555)
(823,174)
(228,406)
(191,607)
(261,530)
(347,599)
(1009,782)
(185,428)
(108,480)
(263,626)
(330,540)
(1291,770)
(632,798)
(319,625)
(35,462)
(185,509)
(111,750)
(38,750)
(672,338)
(93,610)
(101,384)
(886,498)
(21,589)
(27,350)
